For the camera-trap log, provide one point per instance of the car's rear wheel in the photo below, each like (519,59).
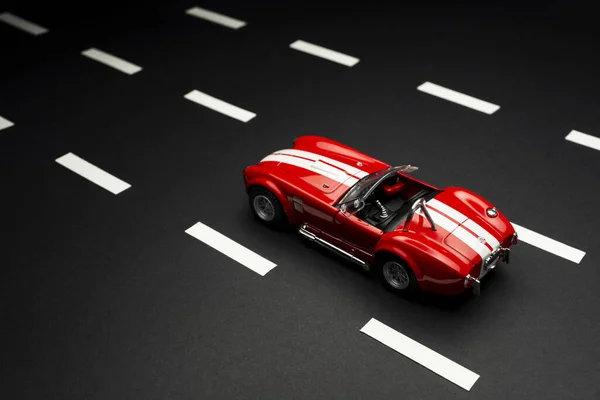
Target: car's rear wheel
(266,207)
(397,276)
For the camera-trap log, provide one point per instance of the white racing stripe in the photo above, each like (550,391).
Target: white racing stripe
(467,223)
(4,123)
(231,249)
(325,53)
(465,236)
(320,168)
(423,355)
(93,173)
(549,245)
(111,61)
(22,24)
(215,17)
(479,230)
(471,241)
(458,98)
(584,139)
(348,168)
(446,209)
(439,219)
(327,169)
(219,105)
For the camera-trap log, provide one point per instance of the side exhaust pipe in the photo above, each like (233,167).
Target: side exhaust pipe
(313,238)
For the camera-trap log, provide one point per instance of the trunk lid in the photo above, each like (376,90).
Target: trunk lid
(467,228)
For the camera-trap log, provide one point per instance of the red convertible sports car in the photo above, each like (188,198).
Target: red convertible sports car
(413,235)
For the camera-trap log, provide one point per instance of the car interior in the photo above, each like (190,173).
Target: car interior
(391,201)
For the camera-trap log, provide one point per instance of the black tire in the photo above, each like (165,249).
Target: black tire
(275,219)
(397,277)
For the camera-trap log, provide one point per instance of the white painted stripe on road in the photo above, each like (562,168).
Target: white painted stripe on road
(584,139)
(428,358)
(111,61)
(458,98)
(93,173)
(22,24)
(325,53)
(215,17)
(219,105)
(4,123)
(549,245)
(231,249)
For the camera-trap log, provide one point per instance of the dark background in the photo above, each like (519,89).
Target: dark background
(106,297)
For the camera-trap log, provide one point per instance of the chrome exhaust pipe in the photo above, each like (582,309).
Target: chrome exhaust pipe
(313,238)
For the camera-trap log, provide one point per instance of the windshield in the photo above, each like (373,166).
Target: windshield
(363,187)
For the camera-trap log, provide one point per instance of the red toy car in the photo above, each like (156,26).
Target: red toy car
(414,235)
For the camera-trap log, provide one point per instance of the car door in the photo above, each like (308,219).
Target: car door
(359,236)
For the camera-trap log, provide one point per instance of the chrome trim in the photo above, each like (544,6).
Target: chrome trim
(468,279)
(419,203)
(506,256)
(492,212)
(499,252)
(314,238)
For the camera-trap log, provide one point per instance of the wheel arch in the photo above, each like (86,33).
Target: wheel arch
(268,184)
(393,252)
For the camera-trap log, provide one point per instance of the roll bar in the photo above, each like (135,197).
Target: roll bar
(418,204)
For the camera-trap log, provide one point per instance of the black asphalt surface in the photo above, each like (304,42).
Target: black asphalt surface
(106,297)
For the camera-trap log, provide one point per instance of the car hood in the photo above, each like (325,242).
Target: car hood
(463,223)
(352,159)
(323,164)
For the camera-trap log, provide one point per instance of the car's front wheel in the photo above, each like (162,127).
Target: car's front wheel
(398,277)
(266,207)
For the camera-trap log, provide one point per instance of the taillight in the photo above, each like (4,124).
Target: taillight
(515,238)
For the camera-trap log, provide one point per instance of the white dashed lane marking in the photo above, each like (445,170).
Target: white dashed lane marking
(93,173)
(230,248)
(458,98)
(22,24)
(583,139)
(428,358)
(549,245)
(215,17)
(4,123)
(111,61)
(325,53)
(219,105)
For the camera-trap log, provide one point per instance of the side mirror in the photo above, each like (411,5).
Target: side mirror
(408,169)
(358,205)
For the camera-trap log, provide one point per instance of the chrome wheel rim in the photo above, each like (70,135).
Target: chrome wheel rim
(396,275)
(264,207)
